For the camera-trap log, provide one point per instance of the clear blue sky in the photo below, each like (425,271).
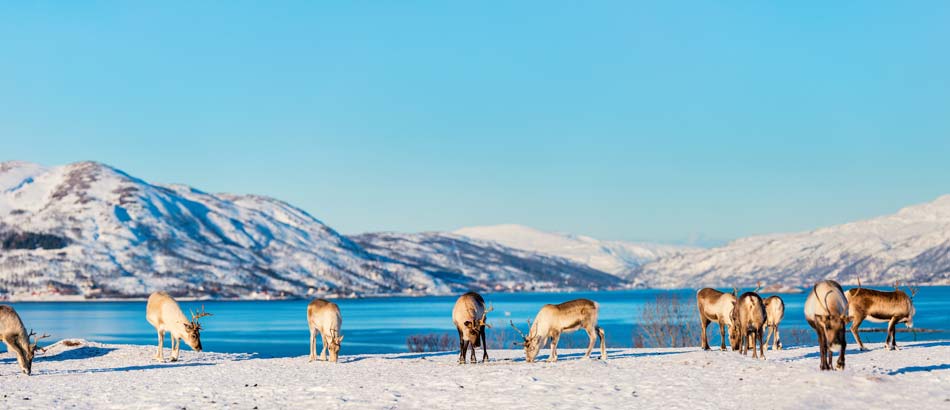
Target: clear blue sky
(623,120)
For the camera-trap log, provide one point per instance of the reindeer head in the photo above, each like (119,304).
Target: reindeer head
(912,292)
(26,360)
(333,345)
(474,329)
(833,327)
(734,336)
(193,329)
(831,324)
(532,345)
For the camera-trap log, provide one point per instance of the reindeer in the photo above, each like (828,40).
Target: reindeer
(17,339)
(552,320)
(877,306)
(774,313)
(324,317)
(469,316)
(826,311)
(163,313)
(716,306)
(748,317)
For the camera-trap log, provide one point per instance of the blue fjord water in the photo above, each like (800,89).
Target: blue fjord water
(381,325)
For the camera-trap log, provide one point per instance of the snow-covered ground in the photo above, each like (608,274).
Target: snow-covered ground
(93,375)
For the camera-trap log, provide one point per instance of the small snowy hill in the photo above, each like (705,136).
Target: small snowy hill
(89,230)
(912,245)
(613,257)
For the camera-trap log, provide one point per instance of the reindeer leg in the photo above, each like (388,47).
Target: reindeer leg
(778,339)
(705,339)
(854,331)
(471,345)
(484,345)
(722,336)
(603,342)
(840,364)
(768,334)
(13,346)
(462,348)
(174,357)
(892,332)
(592,340)
(323,347)
(761,345)
(313,345)
(161,344)
(821,348)
(554,340)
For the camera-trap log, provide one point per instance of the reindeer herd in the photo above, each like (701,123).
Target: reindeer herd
(828,310)
(751,322)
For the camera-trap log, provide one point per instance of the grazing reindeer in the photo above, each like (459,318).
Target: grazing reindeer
(18,341)
(826,311)
(877,306)
(469,316)
(163,313)
(774,313)
(748,317)
(324,317)
(716,306)
(553,320)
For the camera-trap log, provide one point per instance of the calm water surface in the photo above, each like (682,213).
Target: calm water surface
(381,325)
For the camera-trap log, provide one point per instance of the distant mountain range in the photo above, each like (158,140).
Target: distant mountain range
(87,230)
(614,257)
(912,245)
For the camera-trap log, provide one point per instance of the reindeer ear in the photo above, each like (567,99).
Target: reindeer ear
(340,339)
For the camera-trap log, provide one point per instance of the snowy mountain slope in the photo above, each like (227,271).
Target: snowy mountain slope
(125,237)
(494,266)
(911,245)
(613,257)
(90,230)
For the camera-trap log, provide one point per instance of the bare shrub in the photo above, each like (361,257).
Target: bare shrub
(432,342)
(798,336)
(666,322)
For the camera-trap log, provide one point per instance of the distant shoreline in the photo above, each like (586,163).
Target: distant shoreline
(390,295)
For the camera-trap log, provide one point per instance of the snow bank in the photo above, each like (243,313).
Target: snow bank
(93,375)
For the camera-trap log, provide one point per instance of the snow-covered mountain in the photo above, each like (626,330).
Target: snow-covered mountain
(90,230)
(912,245)
(494,266)
(614,257)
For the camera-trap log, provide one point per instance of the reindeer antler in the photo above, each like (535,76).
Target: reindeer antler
(518,330)
(758,287)
(913,290)
(198,315)
(491,308)
(36,340)
(859,287)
